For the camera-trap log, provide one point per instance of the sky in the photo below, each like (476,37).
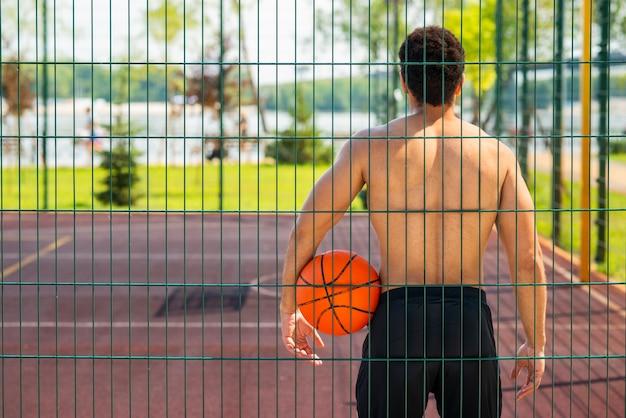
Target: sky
(272,30)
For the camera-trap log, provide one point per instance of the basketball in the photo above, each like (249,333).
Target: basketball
(337,292)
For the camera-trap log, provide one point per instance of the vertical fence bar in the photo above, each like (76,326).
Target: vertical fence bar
(557,120)
(148,281)
(74,235)
(93,215)
(202,207)
(110,205)
(602,138)
(525,105)
(185,272)
(497,130)
(56,205)
(222,141)
(571,209)
(19,204)
(2,236)
(37,217)
(44,144)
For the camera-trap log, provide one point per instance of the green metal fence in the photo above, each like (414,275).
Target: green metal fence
(156,155)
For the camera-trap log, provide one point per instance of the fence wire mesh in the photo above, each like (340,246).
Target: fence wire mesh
(168,167)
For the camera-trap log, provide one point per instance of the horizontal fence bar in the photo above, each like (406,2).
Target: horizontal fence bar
(197,324)
(348,212)
(255,285)
(530,63)
(321,136)
(286,358)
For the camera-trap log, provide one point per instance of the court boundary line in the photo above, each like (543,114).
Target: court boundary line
(31,258)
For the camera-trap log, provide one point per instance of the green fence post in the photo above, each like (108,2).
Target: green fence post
(603,98)
(499,36)
(525,130)
(222,142)
(557,123)
(44,148)
(393,102)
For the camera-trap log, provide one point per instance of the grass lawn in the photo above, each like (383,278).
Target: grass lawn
(615,264)
(621,158)
(268,187)
(247,187)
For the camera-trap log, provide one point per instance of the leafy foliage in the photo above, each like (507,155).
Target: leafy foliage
(474,25)
(120,163)
(168,19)
(121,179)
(16,88)
(380,26)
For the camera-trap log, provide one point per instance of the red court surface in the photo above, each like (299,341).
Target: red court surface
(95,323)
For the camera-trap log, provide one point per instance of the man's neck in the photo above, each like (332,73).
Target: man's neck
(432,113)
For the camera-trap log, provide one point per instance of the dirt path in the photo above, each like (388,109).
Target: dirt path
(616,173)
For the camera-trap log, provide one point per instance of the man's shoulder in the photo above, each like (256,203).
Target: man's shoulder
(372,132)
(363,140)
(500,151)
(492,145)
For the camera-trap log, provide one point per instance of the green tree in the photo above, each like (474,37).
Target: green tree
(120,163)
(121,179)
(374,29)
(169,18)
(474,23)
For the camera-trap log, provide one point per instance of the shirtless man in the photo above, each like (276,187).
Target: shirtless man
(428,174)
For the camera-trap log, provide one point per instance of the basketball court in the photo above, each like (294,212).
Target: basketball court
(155,314)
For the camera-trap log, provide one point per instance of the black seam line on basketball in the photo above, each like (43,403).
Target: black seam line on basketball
(305,280)
(319,317)
(341,292)
(352,307)
(328,296)
(342,269)
(332,309)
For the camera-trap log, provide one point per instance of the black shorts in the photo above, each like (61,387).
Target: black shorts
(430,339)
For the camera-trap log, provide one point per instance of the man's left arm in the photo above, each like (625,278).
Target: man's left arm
(324,207)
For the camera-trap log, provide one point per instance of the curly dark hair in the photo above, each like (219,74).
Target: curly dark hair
(432,44)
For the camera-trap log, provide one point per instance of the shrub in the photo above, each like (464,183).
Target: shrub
(617,146)
(120,163)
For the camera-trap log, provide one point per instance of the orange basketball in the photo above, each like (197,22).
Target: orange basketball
(338,292)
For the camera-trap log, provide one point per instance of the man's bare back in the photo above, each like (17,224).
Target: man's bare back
(433,196)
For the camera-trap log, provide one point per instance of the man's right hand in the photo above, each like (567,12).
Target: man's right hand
(296,330)
(535,365)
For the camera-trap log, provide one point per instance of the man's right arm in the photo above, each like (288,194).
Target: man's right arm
(516,230)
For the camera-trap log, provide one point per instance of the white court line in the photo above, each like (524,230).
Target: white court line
(154,255)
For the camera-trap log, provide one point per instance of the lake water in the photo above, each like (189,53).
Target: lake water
(161,136)
(158,135)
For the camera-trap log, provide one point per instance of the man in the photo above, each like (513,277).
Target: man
(437,186)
